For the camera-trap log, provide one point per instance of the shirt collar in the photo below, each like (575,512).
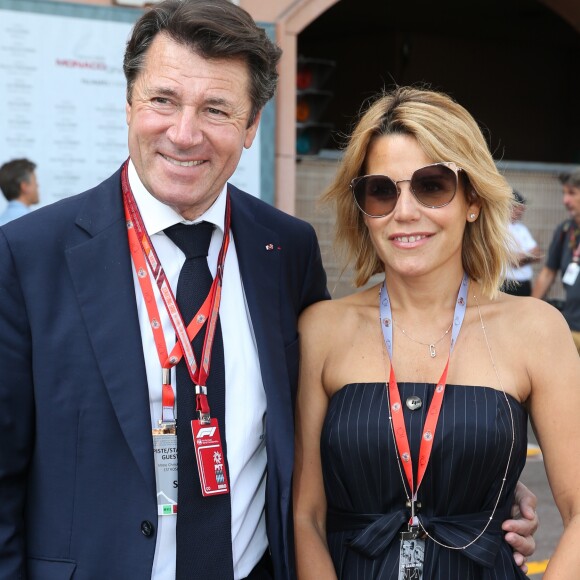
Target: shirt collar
(158,216)
(16,203)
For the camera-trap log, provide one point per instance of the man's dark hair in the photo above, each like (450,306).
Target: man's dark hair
(12,174)
(211,29)
(574,179)
(519,197)
(564,177)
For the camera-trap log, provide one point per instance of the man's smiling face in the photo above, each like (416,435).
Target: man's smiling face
(188,124)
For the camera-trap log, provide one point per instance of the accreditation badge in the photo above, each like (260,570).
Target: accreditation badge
(165,451)
(571,274)
(411,556)
(211,462)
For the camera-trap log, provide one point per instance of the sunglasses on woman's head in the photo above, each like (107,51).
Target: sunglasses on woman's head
(433,186)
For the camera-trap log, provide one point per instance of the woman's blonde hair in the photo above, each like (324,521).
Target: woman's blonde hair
(445,131)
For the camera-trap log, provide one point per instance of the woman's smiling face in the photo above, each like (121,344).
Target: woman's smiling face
(413,239)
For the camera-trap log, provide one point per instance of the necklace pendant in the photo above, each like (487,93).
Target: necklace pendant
(414,403)
(432,351)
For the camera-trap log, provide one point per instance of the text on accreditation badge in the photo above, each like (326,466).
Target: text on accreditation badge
(411,556)
(165,451)
(210,457)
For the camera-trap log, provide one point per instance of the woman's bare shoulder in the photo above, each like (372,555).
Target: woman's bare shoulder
(331,316)
(334,310)
(534,321)
(530,312)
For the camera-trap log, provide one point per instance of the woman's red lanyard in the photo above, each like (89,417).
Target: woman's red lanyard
(396,408)
(143,255)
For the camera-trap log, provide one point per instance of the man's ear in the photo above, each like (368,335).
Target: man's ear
(128,112)
(252,130)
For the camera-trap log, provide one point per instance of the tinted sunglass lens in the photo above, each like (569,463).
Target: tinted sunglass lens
(376,195)
(435,185)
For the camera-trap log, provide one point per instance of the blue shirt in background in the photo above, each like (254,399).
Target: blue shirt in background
(15,209)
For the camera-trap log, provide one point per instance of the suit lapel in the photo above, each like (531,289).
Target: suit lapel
(102,276)
(261,268)
(259,260)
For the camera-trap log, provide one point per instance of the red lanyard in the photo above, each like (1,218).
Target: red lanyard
(143,254)
(396,408)
(572,243)
(428,429)
(576,254)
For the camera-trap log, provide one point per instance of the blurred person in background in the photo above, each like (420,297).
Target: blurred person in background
(564,256)
(20,187)
(519,277)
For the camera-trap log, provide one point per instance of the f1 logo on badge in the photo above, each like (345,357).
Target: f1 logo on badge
(206,432)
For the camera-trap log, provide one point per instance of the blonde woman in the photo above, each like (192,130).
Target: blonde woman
(414,393)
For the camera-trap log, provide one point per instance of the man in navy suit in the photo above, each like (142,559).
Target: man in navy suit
(81,381)
(87,322)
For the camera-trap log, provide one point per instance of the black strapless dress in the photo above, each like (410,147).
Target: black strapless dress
(365,494)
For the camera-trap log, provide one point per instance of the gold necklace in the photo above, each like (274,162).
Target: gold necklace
(431,345)
(513,441)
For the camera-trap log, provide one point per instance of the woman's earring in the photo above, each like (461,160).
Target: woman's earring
(472,216)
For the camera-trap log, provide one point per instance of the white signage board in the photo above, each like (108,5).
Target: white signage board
(62,97)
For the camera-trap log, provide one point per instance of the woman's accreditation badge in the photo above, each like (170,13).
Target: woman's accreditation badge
(165,451)
(211,462)
(411,556)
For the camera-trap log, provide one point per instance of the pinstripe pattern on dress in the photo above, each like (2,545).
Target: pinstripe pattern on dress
(365,494)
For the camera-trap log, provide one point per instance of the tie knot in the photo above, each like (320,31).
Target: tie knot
(193,240)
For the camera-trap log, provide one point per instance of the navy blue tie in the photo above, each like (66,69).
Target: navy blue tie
(203,538)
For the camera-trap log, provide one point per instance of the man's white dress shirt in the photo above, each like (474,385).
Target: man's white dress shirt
(245,395)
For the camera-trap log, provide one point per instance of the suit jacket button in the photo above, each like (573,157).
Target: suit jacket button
(147,528)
